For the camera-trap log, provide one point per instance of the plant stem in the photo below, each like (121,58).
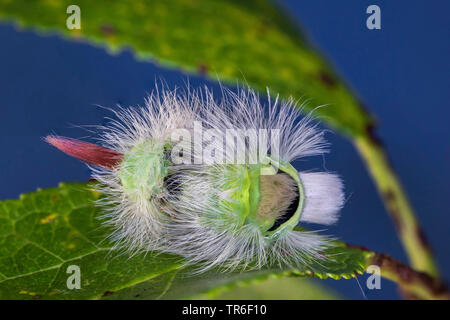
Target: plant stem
(397,204)
(414,284)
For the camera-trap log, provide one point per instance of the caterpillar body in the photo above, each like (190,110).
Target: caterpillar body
(170,187)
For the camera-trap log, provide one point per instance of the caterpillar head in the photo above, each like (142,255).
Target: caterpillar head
(171,187)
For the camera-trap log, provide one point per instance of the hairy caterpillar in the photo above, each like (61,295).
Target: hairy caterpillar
(173,188)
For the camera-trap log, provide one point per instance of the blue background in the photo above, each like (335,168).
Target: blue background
(49,85)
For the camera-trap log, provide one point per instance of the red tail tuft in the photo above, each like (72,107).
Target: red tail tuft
(87,152)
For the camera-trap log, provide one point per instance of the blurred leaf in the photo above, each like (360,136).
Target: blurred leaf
(229,39)
(279,289)
(46,231)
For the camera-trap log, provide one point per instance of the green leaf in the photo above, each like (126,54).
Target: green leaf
(279,289)
(229,39)
(257,285)
(46,231)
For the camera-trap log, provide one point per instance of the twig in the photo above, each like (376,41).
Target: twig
(414,284)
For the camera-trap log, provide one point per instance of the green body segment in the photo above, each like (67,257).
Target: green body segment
(243,200)
(235,195)
(240,183)
(143,170)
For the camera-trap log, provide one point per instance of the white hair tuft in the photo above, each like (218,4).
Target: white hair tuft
(324,197)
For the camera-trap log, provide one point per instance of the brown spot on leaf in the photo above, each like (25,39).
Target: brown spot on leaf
(36,297)
(371,133)
(202,68)
(423,238)
(391,201)
(107,29)
(263,26)
(107,293)
(389,195)
(326,78)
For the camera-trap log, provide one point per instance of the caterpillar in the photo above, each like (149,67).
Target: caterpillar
(213,181)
